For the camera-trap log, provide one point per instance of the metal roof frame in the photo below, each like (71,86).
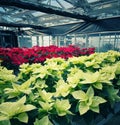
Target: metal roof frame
(41,14)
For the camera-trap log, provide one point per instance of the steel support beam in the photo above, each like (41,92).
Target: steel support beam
(21,25)
(44,8)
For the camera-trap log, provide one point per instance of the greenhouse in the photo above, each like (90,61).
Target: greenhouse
(59,62)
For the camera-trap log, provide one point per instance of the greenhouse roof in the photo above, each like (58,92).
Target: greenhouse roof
(41,14)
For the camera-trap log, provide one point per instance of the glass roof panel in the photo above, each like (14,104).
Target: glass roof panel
(91,1)
(36,14)
(56,3)
(91,8)
(1,9)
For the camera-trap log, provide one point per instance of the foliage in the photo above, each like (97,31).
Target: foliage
(81,90)
(16,109)
(87,101)
(43,121)
(16,56)
(6,79)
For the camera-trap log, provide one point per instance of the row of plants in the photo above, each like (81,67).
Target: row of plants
(36,54)
(78,91)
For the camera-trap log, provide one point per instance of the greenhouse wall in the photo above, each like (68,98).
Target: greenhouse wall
(8,39)
(101,41)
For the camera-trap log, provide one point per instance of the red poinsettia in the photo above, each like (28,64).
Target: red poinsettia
(36,54)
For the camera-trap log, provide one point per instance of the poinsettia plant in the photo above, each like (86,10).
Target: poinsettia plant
(81,90)
(13,57)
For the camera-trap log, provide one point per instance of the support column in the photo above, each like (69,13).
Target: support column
(49,40)
(87,41)
(64,40)
(53,40)
(99,42)
(37,38)
(115,41)
(75,40)
(42,40)
(57,40)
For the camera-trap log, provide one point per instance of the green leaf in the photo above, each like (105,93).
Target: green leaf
(44,121)
(89,63)
(62,88)
(89,101)
(28,107)
(118,82)
(97,100)
(12,92)
(24,65)
(23,117)
(6,122)
(90,92)
(77,60)
(10,109)
(83,108)
(112,95)
(46,105)
(18,89)
(107,73)
(96,66)
(6,79)
(40,84)
(81,95)
(98,85)
(74,77)
(95,109)
(6,75)
(27,83)
(111,58)
(62,107)
(90,77)
(118,68)
(3,117)
(41,72)
(46,96)
(22,100)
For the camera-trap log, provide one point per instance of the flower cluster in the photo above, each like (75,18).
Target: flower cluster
(81,90)
(36,54)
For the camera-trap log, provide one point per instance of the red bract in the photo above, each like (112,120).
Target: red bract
(36,54)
